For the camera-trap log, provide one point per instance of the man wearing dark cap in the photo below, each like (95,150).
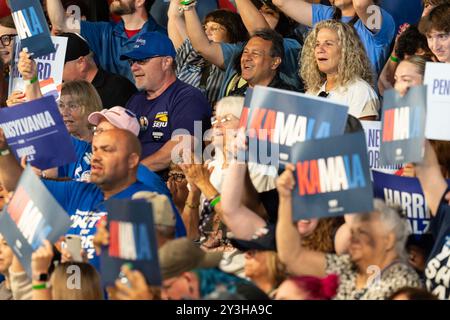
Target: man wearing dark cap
(109,40)
(79,64)
(165,103)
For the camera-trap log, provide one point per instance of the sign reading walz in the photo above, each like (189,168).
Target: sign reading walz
(32,27)
(403,126)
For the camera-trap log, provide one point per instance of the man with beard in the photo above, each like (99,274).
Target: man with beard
(106,39)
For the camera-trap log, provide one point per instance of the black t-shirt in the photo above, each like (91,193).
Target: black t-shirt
(437,272)
(113,89)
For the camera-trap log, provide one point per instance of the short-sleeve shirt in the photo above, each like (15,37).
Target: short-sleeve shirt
(377,44)
(437,271)
(84,202)
(80,170)
(394,277)
(191,67)
(358,95)
(108,40)
(180,106)
(288,69)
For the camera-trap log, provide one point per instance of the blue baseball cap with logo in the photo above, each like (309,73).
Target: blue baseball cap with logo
(149,45)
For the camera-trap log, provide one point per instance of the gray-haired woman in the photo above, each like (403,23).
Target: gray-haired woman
(376,264)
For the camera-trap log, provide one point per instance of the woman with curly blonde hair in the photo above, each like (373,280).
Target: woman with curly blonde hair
(335,65)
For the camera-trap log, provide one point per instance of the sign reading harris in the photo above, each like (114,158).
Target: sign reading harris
(437,78)
(403,120)
(33,129)
(332,177)
(372,130)
(406,193)
(277,119)
(49,69)
(32,216)
(32,27)
(131,240)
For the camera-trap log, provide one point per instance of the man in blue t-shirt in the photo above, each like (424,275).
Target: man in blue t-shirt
(169,111)
(109,40)
(115,160)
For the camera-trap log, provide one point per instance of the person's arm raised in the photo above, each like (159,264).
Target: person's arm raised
(58,17)
(211,51)
(10,169)
(299,10)
(176,27)
(430,176)
(366,14)
(28,69)
(298,260)
(252,18)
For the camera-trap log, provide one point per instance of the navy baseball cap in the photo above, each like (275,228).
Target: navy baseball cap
(149,45)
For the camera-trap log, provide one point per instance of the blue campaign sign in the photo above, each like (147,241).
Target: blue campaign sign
(32,216)
(277,119)
(36,130)
(403,126)
(32,27)
(132,240)
(406,193)
(332,177)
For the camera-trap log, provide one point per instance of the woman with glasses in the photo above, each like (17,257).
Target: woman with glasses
(334,65)
(7,33)
(220,26)
(78,100)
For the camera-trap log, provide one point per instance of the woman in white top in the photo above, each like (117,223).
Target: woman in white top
(335,65)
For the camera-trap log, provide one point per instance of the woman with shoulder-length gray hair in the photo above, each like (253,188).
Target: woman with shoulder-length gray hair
(375,266)
(335,65)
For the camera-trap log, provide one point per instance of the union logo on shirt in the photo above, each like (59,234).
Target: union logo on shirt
(161,120)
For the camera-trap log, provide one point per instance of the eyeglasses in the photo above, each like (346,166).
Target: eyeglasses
(72,106)
(323,94)
(178,177)
(228,117)
(6,39)
(140,62)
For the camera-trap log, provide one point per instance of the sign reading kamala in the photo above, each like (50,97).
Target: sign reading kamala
(32,27)
(32,216)
(373,139)
(332,177)
(437,78)
(277,119)
(131,239)
(403,122)
(404,192)
(49,69)
(33,129)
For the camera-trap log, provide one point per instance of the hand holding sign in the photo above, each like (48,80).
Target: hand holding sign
(286,182)
(41,259)
(136,290)
(27,66)
(16,97)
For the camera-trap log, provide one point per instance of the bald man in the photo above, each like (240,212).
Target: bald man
(115,159)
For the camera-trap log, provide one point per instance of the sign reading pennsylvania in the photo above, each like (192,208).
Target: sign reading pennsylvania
(32,27)
(131,240)
(277,119)
(403,126)
(437,78)
(32,216)
(36,130)
(332,177)
(406,193)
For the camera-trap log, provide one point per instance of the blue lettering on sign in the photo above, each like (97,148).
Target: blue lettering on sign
(27,23)
(441,87)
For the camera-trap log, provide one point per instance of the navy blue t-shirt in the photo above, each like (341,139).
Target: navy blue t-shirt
(84,202)
(437,272)
(179,107)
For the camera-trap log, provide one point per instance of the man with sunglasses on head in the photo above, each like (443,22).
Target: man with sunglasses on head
(165,104)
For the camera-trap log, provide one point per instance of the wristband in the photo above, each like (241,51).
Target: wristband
(394,59)
(5,152)
(41,286)
(214,201)
(31,81)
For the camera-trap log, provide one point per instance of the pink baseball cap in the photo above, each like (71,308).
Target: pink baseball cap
(119,117)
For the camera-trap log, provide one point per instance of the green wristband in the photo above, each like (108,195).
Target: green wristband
(394,59)
(41,286)
(215,201)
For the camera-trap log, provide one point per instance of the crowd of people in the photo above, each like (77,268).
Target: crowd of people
(134,91)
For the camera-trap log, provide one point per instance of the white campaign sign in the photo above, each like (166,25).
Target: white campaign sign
(49,69)
(372,130)
(437,78)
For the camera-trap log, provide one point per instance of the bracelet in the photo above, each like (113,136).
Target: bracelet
(31,81)
(192,206)
(214,201)
(41,286)
(5,152)
(394,59)
(186,5)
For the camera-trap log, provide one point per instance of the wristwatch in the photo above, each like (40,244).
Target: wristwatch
(42,277)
